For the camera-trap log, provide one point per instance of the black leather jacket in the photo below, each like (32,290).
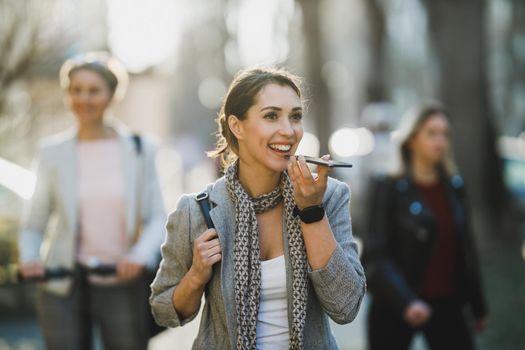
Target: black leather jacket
(399,238)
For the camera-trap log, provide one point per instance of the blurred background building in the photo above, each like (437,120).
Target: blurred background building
(364,63)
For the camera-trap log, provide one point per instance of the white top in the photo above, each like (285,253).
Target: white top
(272,321)
(102,202)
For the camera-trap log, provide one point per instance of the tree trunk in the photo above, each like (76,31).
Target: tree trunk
(375,86)
(515,72)
(457,31)
(318,94)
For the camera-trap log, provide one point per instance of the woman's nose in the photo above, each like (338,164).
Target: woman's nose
(84,97)
(286,128)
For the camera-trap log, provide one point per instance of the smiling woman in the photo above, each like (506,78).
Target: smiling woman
(280,234)
(271,130)
(258,92)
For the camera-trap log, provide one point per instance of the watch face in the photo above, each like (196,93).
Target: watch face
(311,214)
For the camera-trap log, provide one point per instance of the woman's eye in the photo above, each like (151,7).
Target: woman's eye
(296,116)
(271,116)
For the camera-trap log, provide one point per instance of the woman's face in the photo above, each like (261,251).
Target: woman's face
(430,143)
(88,96)
(272,129)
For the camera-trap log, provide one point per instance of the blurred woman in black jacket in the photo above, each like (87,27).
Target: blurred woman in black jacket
(419,253)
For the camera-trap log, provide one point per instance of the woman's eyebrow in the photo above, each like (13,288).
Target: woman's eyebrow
(280,109)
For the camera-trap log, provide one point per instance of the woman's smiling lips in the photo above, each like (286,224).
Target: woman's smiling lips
(280,148)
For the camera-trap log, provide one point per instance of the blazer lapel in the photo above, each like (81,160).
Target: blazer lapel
(223,216)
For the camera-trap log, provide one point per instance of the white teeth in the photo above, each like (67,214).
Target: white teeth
(282,148)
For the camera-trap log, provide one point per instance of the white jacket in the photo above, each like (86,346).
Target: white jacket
(50,225)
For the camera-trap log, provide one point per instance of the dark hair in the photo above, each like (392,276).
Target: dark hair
(107,67)
(242,95)
(412,122)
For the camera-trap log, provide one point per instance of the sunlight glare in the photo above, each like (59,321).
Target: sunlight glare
(261,36)
(19,180)
(144,33)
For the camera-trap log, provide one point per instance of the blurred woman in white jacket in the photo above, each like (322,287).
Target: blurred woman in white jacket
(98,184)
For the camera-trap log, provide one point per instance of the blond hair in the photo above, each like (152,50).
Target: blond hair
(109,68)
(411,124)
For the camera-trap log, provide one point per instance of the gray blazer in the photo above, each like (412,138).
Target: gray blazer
(56,197)
(335,291)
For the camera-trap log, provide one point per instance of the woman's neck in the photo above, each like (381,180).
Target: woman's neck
(93,132)
(257,181)
(424,172)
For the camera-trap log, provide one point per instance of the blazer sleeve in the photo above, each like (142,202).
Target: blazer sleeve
(340,285)
(37,210)
(385,280)
(147,248)
(177,256)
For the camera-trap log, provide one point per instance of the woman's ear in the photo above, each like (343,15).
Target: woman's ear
(236,127)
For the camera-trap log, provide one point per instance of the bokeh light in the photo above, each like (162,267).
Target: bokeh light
(144,33)
(211,92)
(262,36)
(347,142)
(343,142)
(309,145)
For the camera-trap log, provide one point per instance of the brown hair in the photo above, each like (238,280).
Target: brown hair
(242,95)
(411,124)
(109,68)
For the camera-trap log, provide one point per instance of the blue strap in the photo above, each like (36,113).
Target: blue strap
(137,141)
(204,203)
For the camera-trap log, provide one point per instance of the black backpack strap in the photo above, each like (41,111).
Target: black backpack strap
(137,141)
(204,203)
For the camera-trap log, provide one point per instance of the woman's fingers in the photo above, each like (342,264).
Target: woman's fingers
(213,243)
(127,270)
(303,169)
(205,251)
(292,169)
(207,248)
(323,171)
(417,313)
(33,269)
(308,190)
(207,235)
(214,250)
(214,259)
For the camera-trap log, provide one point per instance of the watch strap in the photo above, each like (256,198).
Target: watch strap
(310,214)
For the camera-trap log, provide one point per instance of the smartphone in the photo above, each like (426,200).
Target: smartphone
(329,163)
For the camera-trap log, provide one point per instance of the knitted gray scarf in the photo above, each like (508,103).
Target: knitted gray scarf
(247,264)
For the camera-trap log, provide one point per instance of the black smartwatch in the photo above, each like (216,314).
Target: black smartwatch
(309,214)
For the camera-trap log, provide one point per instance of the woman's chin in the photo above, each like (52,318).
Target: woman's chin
(279,165)
(88,120)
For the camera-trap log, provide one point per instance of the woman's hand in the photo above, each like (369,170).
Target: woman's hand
(187,295)
(417,313)
(32,270)
(206,252)
(308,190)
(128,270)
